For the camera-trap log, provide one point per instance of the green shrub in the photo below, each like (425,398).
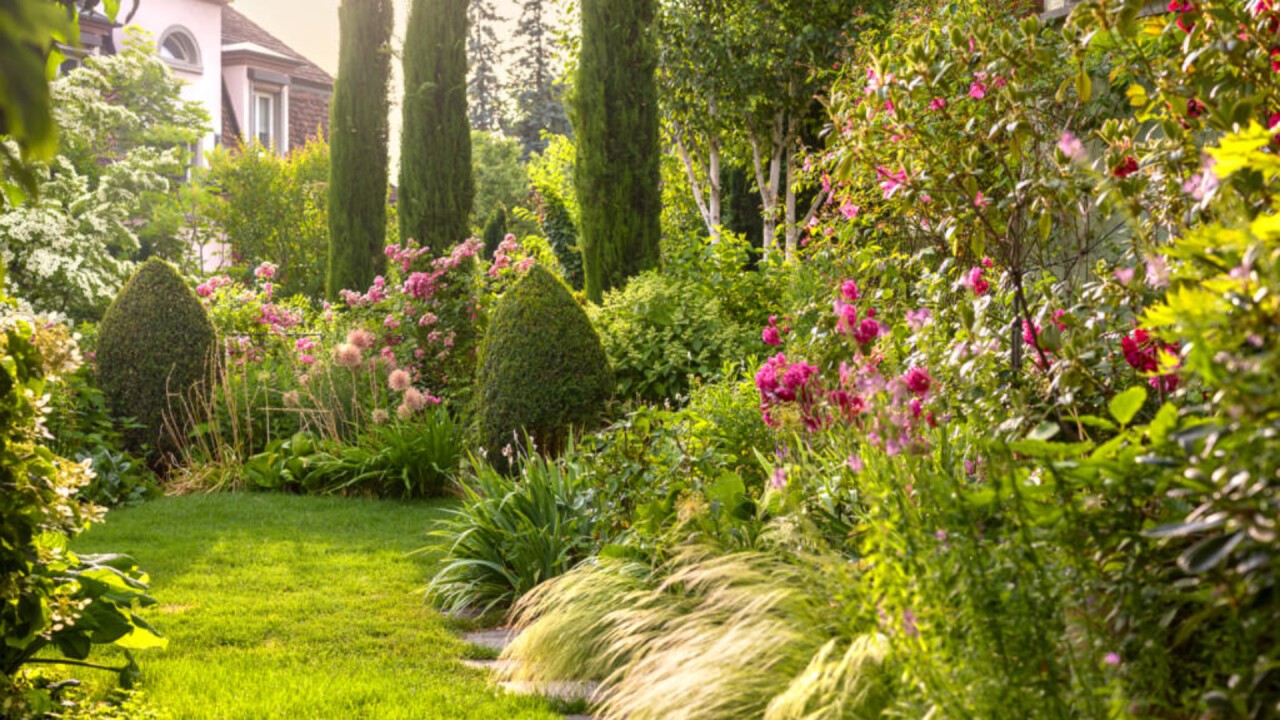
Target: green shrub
(511,534)
(414,459)
(154,344)
(494,231)
(557,225)
(659,330)
(54,604)
(543,368)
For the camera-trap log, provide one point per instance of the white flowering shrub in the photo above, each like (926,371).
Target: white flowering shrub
(110,193)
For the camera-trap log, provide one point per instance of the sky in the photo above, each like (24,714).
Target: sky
(311,28)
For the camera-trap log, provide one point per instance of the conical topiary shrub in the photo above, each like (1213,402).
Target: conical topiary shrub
(544,369)
(154,345)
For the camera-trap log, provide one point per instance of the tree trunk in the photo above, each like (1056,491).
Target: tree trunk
(713,174)
(769,185)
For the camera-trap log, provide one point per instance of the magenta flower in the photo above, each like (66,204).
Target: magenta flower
(1124,276)
(891,181)
(770,336)
(849,289)
(981,201)
(846,316)
(937,104)
(855,463)
(975,282)
(978,90)
(1112,659)
(779,478)
(849,210)
(917,380)
(868,330)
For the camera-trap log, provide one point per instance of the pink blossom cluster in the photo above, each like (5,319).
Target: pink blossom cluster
(865,330)
(782,382)
(423,286)
(305,346)
(406,255)
(376,294)
(211,286)
(974,279)
(772,334)
(265,271)
(277,319)
(890,410)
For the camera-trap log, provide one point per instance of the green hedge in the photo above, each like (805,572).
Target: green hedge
(544,369)
(154,344)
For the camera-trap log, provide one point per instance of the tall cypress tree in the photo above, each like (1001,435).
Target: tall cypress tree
(615,116)
(358,146)
(436,188)
(487,107)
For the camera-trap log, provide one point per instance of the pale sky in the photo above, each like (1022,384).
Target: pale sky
(311,28)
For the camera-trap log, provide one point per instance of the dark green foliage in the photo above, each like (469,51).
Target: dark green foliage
(660,330)
(741,213)
(562,235)
(358,146)
(39,511)
(494,231)
(416,459)
(436,188)
(154,346)
(615,118)
(544,369)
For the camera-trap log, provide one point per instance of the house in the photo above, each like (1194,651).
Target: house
(253,84)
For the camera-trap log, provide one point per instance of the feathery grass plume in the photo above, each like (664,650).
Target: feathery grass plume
(706,636)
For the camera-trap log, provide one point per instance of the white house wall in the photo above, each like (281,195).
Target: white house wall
(203,20)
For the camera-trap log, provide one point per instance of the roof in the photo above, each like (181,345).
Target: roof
(239,30)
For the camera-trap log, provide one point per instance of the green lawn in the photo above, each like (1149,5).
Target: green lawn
(296,607)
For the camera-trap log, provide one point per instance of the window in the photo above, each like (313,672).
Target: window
(178,48)
(265,117)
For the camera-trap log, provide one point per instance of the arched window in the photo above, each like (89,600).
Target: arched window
(178,47)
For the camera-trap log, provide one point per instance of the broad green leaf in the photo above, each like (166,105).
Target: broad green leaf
(1126,405)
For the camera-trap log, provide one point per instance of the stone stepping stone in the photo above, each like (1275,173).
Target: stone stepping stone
(567,691)
(497,639)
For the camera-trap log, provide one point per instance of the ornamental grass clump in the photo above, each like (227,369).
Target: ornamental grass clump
(708,636)
(155,344)
(544,369)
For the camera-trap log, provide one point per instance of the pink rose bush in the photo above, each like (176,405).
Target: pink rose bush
(890,409)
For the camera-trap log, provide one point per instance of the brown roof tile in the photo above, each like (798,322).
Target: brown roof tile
(236,28)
